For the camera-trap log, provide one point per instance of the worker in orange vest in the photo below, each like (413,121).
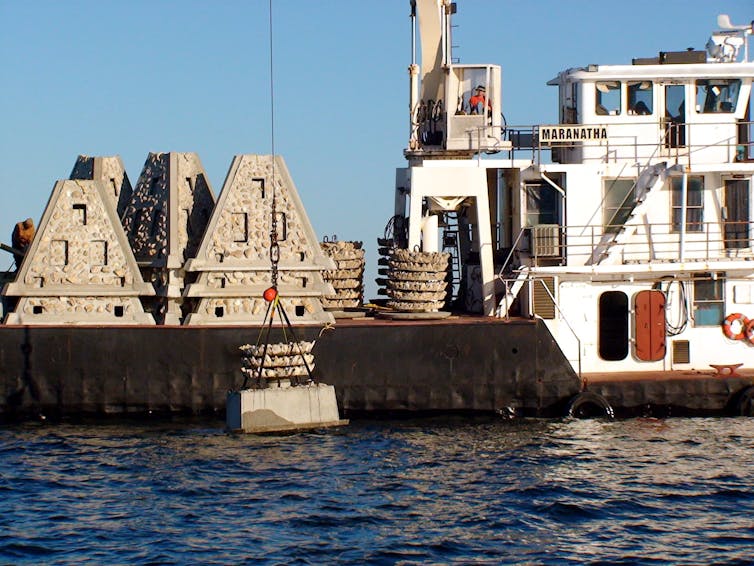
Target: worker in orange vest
(21,239)
(479,101)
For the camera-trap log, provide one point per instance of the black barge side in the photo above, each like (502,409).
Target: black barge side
(459,364)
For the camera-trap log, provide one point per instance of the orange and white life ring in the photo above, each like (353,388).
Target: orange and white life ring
(749,331)
(738,320)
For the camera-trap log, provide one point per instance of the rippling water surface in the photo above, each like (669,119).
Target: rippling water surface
(440,491)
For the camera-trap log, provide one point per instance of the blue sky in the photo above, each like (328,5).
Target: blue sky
(129,77)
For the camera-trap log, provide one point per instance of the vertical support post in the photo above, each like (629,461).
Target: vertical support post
(684,198)
(414,223)
(484,230)
(430,236)
(413,94)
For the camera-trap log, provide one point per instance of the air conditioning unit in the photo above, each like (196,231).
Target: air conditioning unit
(545,240)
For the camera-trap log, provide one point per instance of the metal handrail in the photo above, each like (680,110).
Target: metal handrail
(738,151)
(514,248)
(659,241)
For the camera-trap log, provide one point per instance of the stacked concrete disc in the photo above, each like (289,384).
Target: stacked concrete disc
(280,361)
(417,280)
(347,278)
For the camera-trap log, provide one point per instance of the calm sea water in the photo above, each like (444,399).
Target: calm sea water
(424,491)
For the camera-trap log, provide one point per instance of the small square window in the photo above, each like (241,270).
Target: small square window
(709,299)
(79,213)
(118,310)
(37,309)
(219,312)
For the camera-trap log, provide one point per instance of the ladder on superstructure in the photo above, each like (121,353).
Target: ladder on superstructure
(450,245)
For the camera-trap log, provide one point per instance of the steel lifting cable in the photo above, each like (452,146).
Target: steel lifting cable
(271,294)
(274,246)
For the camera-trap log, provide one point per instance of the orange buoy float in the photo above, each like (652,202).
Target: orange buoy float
(738,320)
(749,331)
(270,294)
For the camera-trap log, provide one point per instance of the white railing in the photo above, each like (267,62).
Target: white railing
(698,143)
(651,241)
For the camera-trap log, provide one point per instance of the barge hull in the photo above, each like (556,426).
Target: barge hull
(464,364)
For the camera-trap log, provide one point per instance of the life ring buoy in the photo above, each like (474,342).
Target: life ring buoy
(750,331)
(730,321)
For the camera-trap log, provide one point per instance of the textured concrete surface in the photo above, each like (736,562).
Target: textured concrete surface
(280,408)
(165,221)
(79,268)
(233,262)
(109,170)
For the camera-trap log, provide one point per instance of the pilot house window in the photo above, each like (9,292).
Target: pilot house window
(717,95)
(607,98)
(640,98)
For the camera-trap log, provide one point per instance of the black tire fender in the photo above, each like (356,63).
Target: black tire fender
(588,404)
(744,406)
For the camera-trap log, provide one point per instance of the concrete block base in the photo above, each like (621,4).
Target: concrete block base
(282,408)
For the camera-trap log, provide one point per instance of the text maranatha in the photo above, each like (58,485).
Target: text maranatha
(549,134)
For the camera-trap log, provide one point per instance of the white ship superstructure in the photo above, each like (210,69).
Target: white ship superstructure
(628,226)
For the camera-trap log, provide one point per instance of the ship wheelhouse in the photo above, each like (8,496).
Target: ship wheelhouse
(630,223)
(650,162)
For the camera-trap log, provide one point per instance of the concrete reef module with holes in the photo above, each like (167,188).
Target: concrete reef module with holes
(463,364)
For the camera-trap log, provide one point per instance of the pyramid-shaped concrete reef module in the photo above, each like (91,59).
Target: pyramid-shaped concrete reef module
(234,257)
(110,171)
(79,268)
(164,222)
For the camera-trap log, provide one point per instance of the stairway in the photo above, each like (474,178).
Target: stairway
(647,185)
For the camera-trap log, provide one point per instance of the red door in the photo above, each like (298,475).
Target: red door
(649,321)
